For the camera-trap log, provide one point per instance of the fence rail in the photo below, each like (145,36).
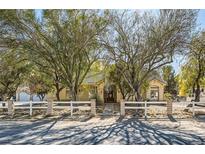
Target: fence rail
(193,106)
(139,105)
(76,105)
(49,106)
(127,105)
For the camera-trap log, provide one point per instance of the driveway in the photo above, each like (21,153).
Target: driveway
(103,130)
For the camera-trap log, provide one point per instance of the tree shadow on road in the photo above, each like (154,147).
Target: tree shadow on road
(200,118)
(171,118)
(123,131)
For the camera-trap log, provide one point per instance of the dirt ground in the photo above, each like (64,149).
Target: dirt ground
(103,130)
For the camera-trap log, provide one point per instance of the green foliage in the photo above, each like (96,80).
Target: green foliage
(168,97)
(39,83)
(113,75)
(65,43)
(192,74)
(13,68)
(169,77)
(98,66)
(141,43)
(186,78)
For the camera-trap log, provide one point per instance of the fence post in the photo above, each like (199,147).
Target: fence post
(169,107)
(71,108)
(122,107)
(193,106)
(93,107)
(10,107)
(31,110)
(50,107)
(145,105)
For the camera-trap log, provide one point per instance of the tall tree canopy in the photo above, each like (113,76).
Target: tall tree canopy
(64,42)
(193,72)
(171,82)
(39,83)
(140,44)
(118,80)
(13,69)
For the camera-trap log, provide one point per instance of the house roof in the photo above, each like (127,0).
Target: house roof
(93,78)
(156,77)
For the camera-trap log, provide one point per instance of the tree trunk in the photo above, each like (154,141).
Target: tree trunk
(58,95)
(58,90)
(138,95)
(138,98)
(193,89)
(123,96)
(73,94)
(128,98)
(197,92)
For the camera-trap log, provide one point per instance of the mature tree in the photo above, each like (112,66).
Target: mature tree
(193,72)
(169,77)
(186,79)
(197,55)
(114,77)
(139,44)
(50,73)
(65,41)
(13,68)
(39,83)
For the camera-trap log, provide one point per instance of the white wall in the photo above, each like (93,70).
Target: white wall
(23,96)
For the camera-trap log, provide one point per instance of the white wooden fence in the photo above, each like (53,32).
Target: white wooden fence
(31,105)
(138,105)
(49,106)
(125,105)
(193,106)
(80,105)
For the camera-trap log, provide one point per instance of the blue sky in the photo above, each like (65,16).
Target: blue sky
(201,18)
(178,61)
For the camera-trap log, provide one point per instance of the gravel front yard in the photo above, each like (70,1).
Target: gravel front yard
(103,130)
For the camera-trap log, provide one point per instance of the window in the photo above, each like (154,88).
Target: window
(154,93)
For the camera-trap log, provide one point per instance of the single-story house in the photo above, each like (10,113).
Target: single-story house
(96,86)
